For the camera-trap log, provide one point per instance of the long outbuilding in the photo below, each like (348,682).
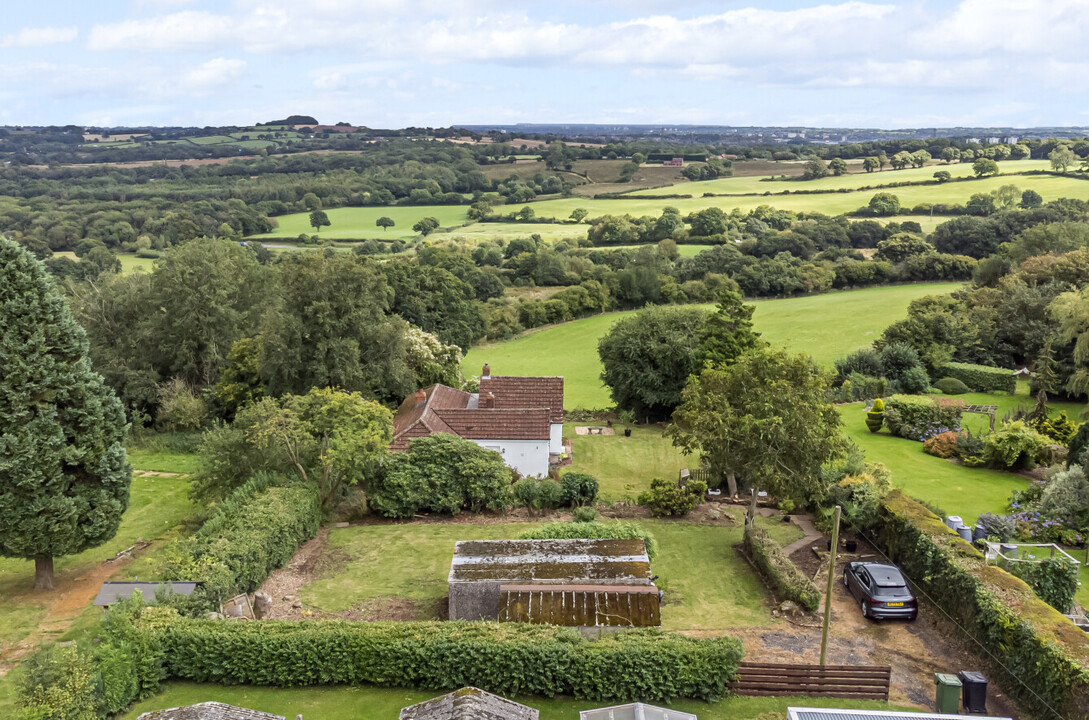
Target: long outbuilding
(560,582)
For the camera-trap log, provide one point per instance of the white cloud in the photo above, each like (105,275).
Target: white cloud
(211,75)
(37,37)
(189,30)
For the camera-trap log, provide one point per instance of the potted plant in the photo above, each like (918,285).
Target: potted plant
(628,418)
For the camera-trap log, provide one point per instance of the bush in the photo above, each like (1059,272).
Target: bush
(535,494)
(584,514)
(860,387)
(179,407)
(997,526)
(952,386)
(784,576)
(444,474)
(1014,445)
(1059,428)
(595,530)
(863,362)
(256,530)
(919,418)
(943,445)
(667,497)
(1065,498)
(1054,580)
(510,659)
(970,448)
(578,489)
(875,416)
(897,358)
(981,378)
(1017,629)
(914,381)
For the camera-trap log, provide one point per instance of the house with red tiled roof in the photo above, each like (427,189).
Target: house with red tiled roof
(521,418)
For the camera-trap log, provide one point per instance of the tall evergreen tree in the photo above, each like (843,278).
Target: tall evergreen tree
(64,473)
(728,332)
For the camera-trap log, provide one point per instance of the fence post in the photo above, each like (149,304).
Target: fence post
(831,580)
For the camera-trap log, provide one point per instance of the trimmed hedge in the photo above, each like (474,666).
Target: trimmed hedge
(1040,653)
(919,417)
(508,658)
(788,581)
(981,378)
(952,386)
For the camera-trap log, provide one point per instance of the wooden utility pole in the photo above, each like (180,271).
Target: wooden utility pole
(831,580)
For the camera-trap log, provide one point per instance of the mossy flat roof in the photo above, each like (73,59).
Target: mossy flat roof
(578,561)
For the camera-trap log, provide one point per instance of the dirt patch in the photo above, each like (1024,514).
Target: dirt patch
(313,560)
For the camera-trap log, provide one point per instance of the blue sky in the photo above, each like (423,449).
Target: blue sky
(393,63)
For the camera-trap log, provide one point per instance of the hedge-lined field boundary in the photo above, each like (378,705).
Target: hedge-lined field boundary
(788,581)
(1037,655)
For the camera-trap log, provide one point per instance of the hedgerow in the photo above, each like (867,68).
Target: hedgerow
(981,378)
(787,580)
(508,658)
(1036,654)
(920,417)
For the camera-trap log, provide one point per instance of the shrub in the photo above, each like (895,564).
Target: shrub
(969,446)
(859,495)
(943,445)
(1054,580)
(584,514)
(997,526)
(256,530)
(1014,445)
(595,530)
(897,358)
(952,386)
(875,416)
(444,474)
(863,362)
(1066,498)
(535,494)
(505,658)
(1059,428)
(981,378)
(1017,629)
(578,489)
(784,576)
(919,418)
(667,497)
(179,407)
(914,381)
(860,387)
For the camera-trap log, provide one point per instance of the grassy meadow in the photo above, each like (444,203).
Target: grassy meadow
(826,327)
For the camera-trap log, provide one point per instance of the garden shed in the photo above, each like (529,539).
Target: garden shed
(209,711)
(468,703)
(635,711)
(582,583)
(112,592)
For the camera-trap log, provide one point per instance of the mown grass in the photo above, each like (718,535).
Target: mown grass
(707,584)
(356,223)
(624,466)
(826,327)
(129,263)
(351,703)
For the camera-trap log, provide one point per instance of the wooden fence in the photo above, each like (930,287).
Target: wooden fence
(857,682)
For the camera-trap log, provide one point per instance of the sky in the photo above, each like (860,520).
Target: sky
(395,63)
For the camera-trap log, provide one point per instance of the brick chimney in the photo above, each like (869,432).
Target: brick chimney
(486,401)
(420,396)
(486,372)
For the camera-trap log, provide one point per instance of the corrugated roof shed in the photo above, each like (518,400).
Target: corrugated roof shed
(619,562)
(804,713)
(112,592)
(209,711)
(469,703)
(635,711)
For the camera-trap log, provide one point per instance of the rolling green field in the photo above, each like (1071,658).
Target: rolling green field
(372,703)
(825,326)
(352,223)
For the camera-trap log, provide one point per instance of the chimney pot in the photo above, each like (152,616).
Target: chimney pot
(420,396)
(486,371)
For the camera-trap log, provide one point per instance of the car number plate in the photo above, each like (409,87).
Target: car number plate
(899,604)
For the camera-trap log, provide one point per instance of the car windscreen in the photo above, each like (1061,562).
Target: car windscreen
(892,591)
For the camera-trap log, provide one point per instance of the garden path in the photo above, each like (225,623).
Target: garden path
(811,534)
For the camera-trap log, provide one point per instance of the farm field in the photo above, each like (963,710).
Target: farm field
(825,326)
(129,263)
(352,703)
(356,223)
(481,232)
(850,181)
(707,584)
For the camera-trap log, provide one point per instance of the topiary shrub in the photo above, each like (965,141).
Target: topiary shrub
(952,386)
(875,416)
(943,445)
(667,497)
(578,489)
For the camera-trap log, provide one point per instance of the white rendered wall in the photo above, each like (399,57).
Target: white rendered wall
(555,438)
(528,457)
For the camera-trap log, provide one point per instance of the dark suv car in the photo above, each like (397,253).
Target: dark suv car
(881,591)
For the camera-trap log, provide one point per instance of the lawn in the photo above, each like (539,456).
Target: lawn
(825,326)
(165,452)
(351,703)
(357,223)
(624,466)
(707,584)
(129,263)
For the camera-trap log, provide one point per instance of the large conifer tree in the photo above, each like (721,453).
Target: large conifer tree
(64,473)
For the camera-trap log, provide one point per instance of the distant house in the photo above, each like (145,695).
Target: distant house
(209,711)
(521,418)
(468,703)
(674,162)
(112,592)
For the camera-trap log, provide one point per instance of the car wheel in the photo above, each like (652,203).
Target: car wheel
(865,608)
(845,584)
